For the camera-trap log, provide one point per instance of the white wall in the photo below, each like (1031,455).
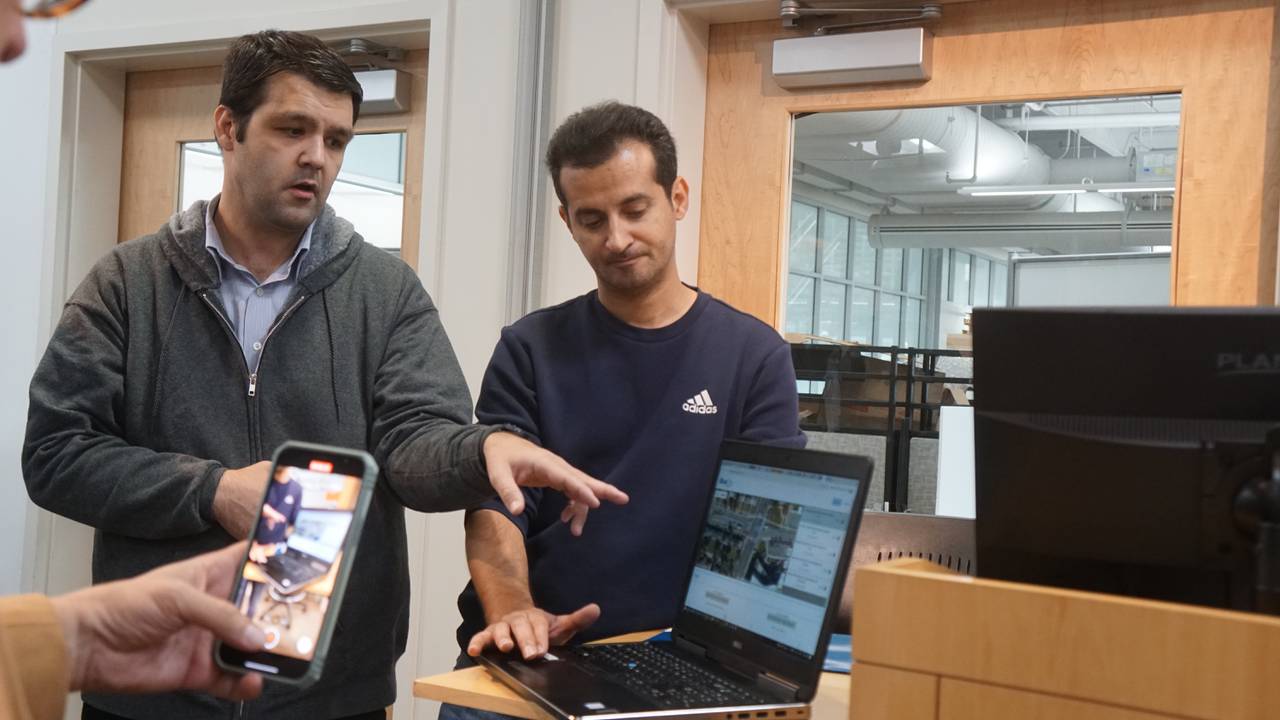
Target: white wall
(465,267)
(639,52)
(1135,280)
(25,84)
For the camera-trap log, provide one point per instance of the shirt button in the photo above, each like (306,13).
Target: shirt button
(257,346)
(258,292)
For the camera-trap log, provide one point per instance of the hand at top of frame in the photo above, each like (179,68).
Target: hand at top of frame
(514,462)
(155,633)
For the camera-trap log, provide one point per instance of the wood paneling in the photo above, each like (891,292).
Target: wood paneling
(1219,54)
(162,110)
(165,108)
(959,700)
(881,693)
(1154,657)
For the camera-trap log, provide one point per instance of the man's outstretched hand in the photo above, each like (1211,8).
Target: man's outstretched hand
(514,462)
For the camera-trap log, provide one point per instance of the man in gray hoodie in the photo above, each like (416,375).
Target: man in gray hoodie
(186,356)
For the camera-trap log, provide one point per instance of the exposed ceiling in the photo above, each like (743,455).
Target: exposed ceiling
(923,157)
(1105,155)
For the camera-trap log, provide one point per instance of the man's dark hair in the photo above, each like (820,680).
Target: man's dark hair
(255,58)
(591,136)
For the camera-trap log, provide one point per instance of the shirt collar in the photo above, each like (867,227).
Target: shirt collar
(213,243)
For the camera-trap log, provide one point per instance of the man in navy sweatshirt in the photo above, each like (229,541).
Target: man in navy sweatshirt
(636,383)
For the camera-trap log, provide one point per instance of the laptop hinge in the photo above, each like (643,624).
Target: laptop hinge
(736,664)
(777,684)
(690,647)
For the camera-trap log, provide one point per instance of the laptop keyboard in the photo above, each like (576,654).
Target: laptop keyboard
(292,570)
(669,680)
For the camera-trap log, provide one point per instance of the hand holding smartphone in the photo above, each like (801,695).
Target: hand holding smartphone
(300,553)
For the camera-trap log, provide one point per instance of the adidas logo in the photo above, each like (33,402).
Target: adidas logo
(700,404)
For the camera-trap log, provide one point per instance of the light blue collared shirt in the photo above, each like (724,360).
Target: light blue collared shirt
(252,306)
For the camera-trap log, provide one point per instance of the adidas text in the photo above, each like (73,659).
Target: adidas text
(700,409)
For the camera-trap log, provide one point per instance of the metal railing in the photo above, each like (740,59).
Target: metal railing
(914,368)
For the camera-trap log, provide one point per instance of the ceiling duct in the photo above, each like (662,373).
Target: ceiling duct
(1040,231)
(976,151)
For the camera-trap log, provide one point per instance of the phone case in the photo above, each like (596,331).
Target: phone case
(368,480)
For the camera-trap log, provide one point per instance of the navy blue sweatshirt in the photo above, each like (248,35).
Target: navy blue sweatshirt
(645,410)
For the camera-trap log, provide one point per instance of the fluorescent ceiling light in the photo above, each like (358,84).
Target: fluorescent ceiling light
(1064,189)
(1132,188)
(1012,190)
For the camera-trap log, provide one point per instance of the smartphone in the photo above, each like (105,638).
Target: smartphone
(300,554)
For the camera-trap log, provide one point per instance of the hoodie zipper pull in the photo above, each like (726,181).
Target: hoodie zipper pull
(253,384)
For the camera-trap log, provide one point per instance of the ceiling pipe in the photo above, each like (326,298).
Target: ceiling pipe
(1005,159)
(1089,122)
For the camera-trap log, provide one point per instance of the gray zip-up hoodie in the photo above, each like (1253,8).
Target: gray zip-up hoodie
(143,399)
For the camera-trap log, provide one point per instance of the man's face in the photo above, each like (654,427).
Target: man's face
(622,219)
(291,152)
(13,39)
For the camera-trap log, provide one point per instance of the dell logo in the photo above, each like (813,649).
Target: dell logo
(1248,364)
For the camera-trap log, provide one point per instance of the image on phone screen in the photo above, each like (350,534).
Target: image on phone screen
(295,554)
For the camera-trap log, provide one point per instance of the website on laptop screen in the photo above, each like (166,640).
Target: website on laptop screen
(770,551)
(320,533)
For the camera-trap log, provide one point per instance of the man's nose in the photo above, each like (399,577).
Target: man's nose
(312,152)
(618,238)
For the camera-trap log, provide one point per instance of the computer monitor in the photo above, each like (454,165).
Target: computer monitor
(1127,451)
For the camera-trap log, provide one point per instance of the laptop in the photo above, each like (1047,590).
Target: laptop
(312,547)
(762,593)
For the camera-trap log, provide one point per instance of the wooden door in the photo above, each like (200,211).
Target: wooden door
(164,109)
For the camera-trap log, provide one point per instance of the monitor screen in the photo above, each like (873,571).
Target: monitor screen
(770,551)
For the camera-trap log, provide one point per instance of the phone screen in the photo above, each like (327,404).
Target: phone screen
(287,585)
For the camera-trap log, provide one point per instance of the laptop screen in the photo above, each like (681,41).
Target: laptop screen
(770,551)
(320,533)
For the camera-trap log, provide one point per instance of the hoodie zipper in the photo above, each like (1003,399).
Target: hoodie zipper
(253,374)
(231,332)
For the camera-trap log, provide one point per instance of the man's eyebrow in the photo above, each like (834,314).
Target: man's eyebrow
(294,117)
(638,197)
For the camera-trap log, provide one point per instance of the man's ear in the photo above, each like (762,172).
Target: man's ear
(224,128)
(564,215)
(680,197)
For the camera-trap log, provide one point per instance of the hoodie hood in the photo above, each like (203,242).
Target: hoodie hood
(334,245)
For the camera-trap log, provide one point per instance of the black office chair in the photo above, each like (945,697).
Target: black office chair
(882,536)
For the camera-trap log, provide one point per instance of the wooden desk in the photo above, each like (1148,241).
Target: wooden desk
(936,645)
(476,688)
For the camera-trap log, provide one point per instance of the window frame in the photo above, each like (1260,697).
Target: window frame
(849,283)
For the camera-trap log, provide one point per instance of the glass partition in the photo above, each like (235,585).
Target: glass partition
(904,221)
